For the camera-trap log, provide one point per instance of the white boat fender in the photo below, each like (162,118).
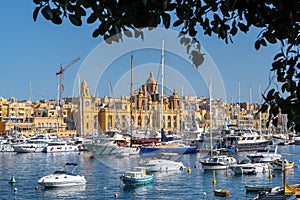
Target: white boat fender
(116,195)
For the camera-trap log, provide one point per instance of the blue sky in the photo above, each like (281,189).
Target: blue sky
(31,53)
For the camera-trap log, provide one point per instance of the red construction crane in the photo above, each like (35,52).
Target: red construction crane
(60,73)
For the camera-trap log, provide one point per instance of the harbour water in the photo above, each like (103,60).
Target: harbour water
(102,175)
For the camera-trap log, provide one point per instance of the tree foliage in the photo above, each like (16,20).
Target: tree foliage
(277,20)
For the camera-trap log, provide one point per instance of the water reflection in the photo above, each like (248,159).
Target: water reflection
(137,190)
(118,163)
(63,192)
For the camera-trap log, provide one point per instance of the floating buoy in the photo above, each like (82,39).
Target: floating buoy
(270,176)
(204,194)
(189,170)
(12,180)
(37,187)
(15,190)
(105,188)
(214,182)
(116,195)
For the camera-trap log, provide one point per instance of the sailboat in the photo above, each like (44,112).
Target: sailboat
(166,147)
(117,144)
(215,162)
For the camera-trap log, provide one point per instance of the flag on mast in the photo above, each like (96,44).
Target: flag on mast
(30,89)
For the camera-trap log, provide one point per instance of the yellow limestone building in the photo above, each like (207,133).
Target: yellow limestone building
(146,106)
(87,114)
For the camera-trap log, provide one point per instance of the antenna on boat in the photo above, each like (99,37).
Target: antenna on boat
(259,93)
(131,85)
(239,98)
(210,114)
(80,106)
(162,83)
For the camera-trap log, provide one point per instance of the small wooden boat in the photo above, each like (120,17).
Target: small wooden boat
(222,193)
(255,188)
(277,164)
(137,177)
(292,189)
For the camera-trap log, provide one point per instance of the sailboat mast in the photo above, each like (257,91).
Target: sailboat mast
(239,96)
(162,83)
(210,116)
(80,107)
(131,86)
(259,93)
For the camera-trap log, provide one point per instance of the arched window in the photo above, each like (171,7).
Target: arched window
(140,121)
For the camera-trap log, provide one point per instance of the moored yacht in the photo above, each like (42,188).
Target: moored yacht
(136,177)
(67,177)
(60,146)
(266,155)
(243,140)
(250,168)
(162,162)
(33,145)
(118,144)
(217,162)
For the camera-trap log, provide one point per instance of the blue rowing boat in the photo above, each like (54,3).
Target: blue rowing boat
(136,177)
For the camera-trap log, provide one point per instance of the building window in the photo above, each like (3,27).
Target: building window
(169,121)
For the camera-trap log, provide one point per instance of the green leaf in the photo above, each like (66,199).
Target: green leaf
(36,12)
(37,1)
(103,28)
(166,20)
(278,56)
(56,19)
(270,38)
(96,33)
(177,23)
(79,11)
(128,33)
(243,27)
(92,18)
(76,20)
(263,42)
(257,44)
(47,12)
(233,30)
(270,94)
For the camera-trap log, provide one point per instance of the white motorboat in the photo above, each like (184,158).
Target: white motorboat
(35,144)
(250,168)
(63,178)
(217,162)
(59,146)
(30,146)
(162,162)
(116,145)
(266,155)
(297,140)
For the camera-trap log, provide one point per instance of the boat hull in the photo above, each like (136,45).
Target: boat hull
(53,181)
(222,193)
(250,168)
(102,149)
(253,188)
(128,181)
(60,148)
(179,150)
(252,146)
(161,165)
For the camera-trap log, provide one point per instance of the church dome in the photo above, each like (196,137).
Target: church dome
(151,79)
